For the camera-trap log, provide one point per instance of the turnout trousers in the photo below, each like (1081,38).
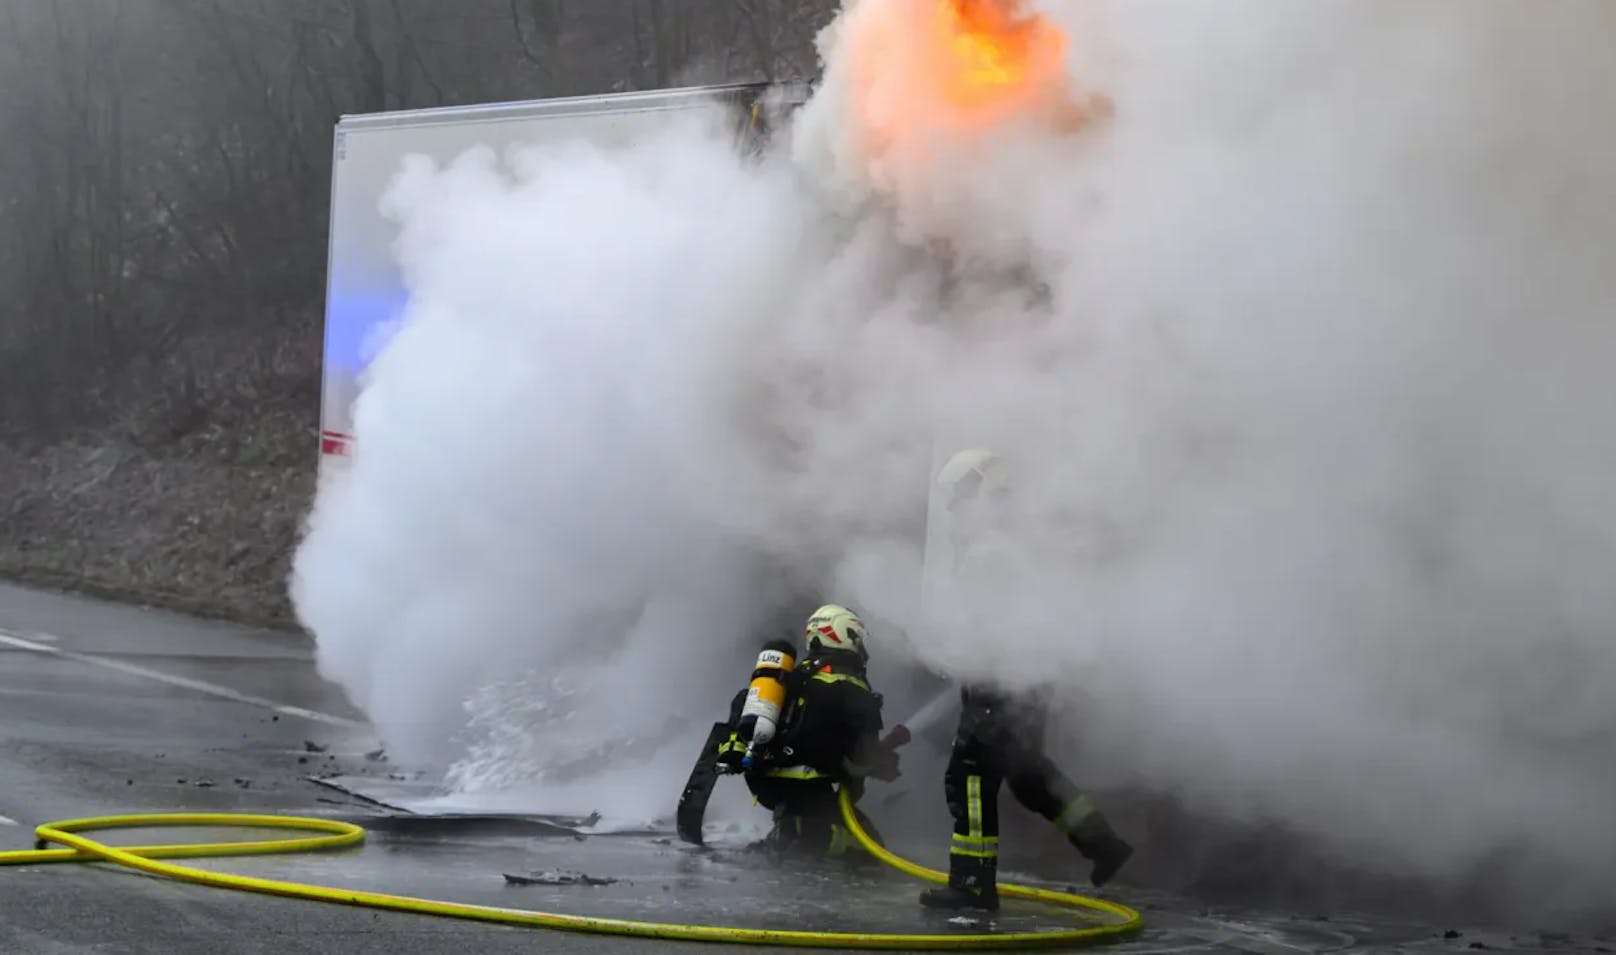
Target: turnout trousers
(807,817)
(976,772)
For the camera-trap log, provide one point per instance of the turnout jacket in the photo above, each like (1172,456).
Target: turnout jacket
(830,727)
(995,717)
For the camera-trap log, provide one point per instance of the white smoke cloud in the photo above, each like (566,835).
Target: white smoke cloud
(533,499)
(1309,414)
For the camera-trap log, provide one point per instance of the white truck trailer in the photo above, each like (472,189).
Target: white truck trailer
(364,290)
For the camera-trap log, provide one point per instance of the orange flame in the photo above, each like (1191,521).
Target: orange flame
(926,73)
(998,58)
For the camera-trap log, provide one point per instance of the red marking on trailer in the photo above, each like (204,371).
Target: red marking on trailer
(335,442)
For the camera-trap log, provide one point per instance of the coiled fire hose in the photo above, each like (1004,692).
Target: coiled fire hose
(1116,920)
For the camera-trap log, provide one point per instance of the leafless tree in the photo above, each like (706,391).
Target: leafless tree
(165,186)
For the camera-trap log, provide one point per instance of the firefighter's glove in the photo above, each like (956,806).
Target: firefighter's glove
(730,754)
(885,765)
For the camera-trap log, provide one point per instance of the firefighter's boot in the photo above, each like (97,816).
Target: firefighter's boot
(1096,841)
(972,884)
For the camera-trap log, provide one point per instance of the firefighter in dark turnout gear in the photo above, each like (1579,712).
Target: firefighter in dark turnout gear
(999,740)
(829,739)
(1001,735)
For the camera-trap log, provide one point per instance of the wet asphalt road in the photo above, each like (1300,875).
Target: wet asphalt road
(107,709)
(77,738)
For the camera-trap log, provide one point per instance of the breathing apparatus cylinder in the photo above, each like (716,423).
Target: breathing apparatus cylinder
(766,697)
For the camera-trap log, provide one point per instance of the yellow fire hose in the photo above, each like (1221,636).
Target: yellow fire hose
(336,835)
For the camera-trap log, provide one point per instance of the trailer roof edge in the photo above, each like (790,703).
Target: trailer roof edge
(637,101)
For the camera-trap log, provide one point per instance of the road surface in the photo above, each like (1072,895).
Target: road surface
(108,709)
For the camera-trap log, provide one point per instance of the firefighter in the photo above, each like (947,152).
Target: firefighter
(828,739)
(1000,739)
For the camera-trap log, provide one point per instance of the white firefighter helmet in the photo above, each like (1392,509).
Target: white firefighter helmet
(973,473)
(835,628)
